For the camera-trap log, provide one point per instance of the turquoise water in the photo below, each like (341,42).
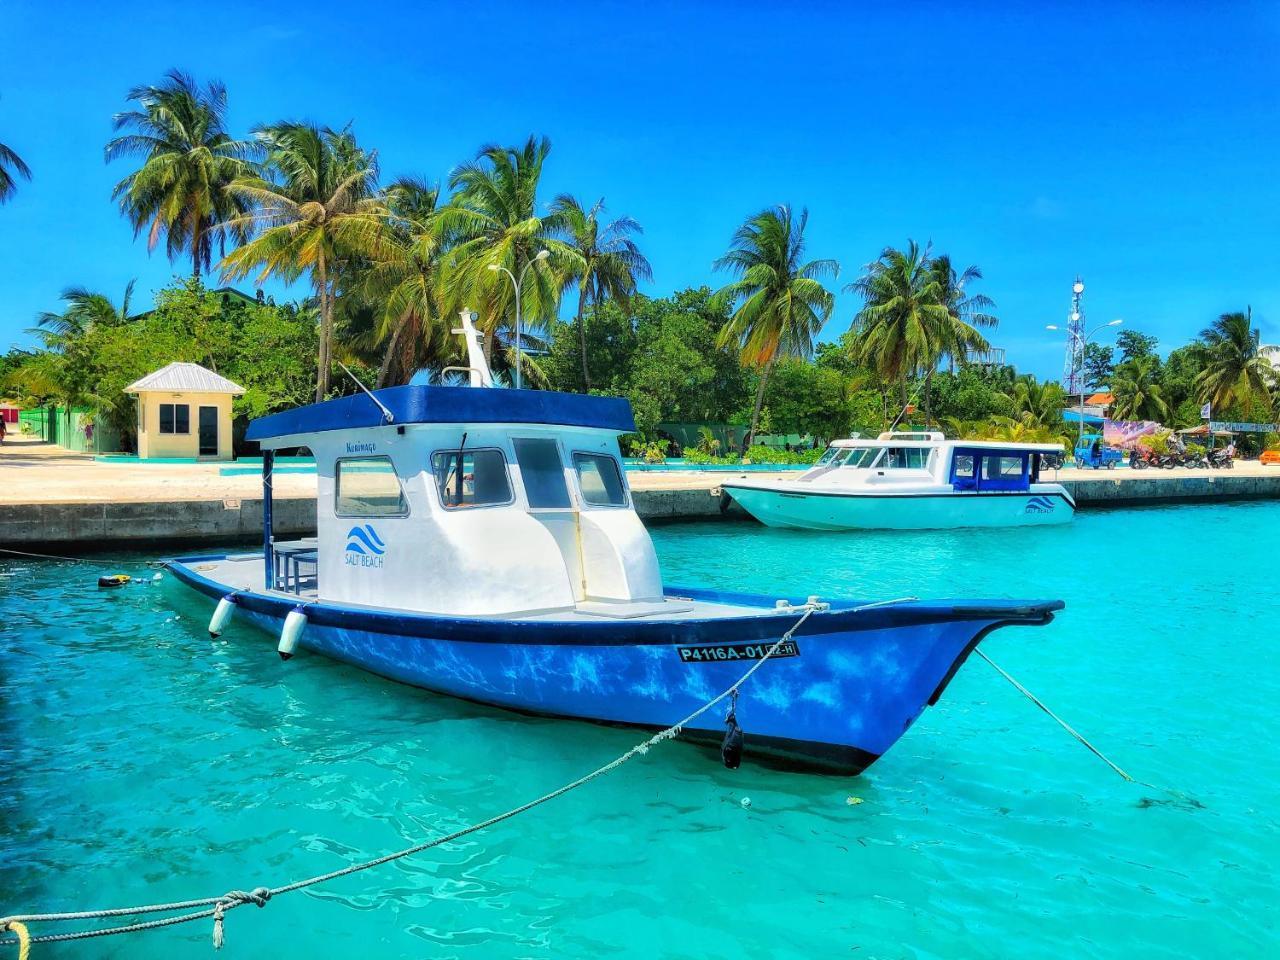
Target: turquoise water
(139,761)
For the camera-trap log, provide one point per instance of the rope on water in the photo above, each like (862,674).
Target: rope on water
(1184,798)
(217,907)
(106,563)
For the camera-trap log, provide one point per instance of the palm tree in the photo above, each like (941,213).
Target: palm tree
(907,324)
(188,160)
(85,309)
(314,212)
(1138,394)
(405,281)
(1036,405)
(493,222)
(609,263)
(1236,369)
(974,309)
(11,167)
(780,302)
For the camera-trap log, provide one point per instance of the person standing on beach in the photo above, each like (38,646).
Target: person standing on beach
(4,428)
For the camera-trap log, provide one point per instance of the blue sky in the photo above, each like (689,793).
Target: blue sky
(1135,144)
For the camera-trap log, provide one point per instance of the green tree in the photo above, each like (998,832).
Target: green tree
(780,302)
(405,280)
(11,168)
(1035,405)
(906,324)
(1136,387)
(1235,368)
(608,263)
(808,399)
(1135,345)
(314,212)
(973,310)
(1097,365)
(493,225)
(188,161)
(84,309)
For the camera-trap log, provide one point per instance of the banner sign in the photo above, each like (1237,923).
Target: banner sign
(1126,433)
(1245,427)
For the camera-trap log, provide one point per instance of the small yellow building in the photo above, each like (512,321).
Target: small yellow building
(184,411)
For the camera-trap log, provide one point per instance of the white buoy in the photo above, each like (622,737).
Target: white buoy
(293,625)
(222,616)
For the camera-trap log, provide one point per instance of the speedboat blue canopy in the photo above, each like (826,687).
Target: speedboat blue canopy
(455,405)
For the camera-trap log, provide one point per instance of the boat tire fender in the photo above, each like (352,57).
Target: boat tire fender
(731,746)
(294,624)
(222,615)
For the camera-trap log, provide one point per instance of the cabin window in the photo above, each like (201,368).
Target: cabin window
(600,480)
(471,478)
(368,487)
(542,471)
(860,457)
(829,456)
(905,458)
(996,467)
(175,418)
(964,471)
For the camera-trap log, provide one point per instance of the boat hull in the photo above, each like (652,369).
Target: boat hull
(812,510)
(849,685)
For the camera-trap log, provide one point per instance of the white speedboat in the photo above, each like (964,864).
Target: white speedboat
(911,481)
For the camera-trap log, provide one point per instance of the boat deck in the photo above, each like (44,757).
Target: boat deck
(244,573)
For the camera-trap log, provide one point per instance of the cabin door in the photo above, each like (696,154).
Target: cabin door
(208,431)
(550,503)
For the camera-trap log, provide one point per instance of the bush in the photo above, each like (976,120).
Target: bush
(762,454)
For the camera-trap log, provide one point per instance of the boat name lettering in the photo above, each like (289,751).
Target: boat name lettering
(360,447)
(736,651)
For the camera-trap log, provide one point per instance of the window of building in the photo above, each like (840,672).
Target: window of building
(175,418)
(542,473)
(600,480)
(368,487)
(471,478)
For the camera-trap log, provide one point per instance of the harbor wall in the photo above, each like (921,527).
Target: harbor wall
(92,524)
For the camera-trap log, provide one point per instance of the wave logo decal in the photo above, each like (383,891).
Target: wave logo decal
(364,547)
(1040,505)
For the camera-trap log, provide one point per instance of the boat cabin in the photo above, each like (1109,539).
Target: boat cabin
(919,458)
(463,501)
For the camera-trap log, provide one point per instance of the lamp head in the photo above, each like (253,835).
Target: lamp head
(494,267)
(1051,326)
(542,254)
(1115,323)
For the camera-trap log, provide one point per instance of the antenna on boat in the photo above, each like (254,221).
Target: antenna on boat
(354,379)
(477,365)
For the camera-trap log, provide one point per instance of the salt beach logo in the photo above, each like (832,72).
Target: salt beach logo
(364,547)
(1039,505)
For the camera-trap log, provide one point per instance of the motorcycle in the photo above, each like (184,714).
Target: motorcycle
(1221,460)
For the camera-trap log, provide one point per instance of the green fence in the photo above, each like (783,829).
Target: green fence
(70,429)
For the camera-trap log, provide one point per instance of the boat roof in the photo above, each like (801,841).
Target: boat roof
(930,440)
(448,405)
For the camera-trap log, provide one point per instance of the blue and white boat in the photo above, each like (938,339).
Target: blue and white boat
(912,481)
(482,543)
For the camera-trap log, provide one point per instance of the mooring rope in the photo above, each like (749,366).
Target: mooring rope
(107,563)
(1183,797)
(216,907)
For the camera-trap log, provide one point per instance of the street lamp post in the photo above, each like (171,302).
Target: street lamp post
(515,283)
(1082,340)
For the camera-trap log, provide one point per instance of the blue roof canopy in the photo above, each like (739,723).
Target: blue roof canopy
(462,405)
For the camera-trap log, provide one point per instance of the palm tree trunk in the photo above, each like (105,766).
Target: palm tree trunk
(755,411)
(197,237)
(326,330)
(928,398)
(384,371)
(582,336)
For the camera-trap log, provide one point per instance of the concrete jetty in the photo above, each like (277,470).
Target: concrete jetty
(49,495)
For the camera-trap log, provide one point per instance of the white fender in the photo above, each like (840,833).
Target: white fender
(292,631)
(222,615)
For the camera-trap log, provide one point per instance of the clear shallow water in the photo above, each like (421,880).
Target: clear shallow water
(141,762)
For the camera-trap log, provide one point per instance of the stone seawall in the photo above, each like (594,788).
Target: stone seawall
(92,524)
(1135,489)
